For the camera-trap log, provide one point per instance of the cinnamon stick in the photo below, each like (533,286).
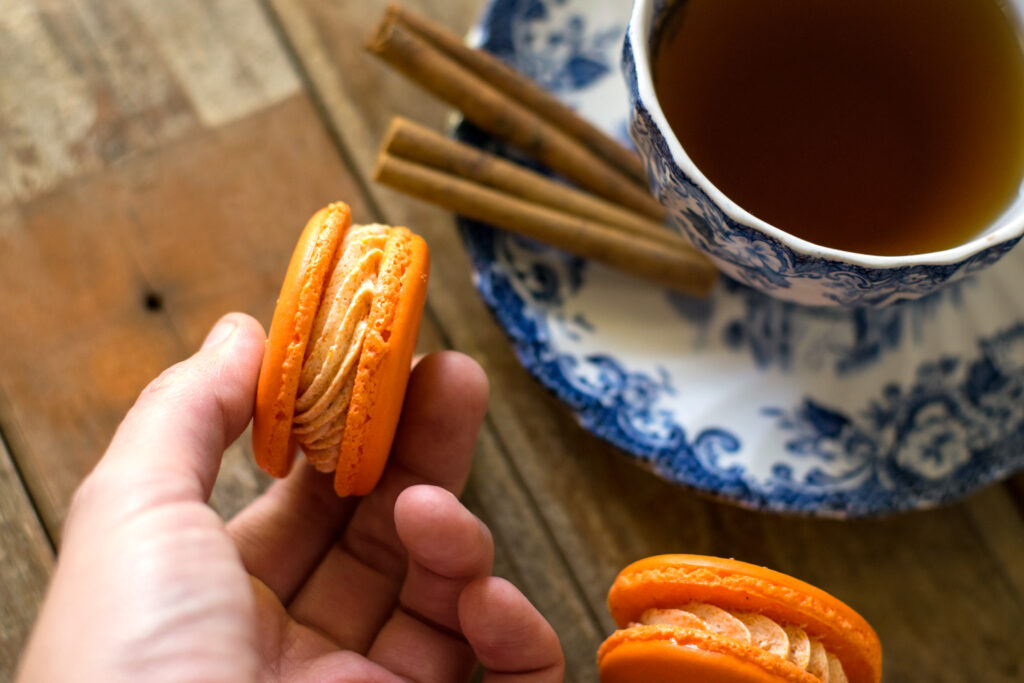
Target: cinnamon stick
(522,89)
(422,145)
(503,116)
(682,269)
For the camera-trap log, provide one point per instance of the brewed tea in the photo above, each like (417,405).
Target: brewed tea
(883,127)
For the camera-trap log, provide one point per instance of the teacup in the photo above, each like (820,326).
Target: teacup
(762,255)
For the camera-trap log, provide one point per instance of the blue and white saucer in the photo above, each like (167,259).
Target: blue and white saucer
(761,402)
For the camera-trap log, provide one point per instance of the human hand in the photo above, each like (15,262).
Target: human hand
(302,585)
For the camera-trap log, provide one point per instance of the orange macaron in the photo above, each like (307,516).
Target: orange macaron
(340,348)
(697,618)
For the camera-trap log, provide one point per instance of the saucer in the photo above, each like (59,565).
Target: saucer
(761,402)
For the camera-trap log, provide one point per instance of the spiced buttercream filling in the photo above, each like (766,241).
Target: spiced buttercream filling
(787,641)
(329,369)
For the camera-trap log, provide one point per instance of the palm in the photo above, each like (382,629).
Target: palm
(381,577)
(364,604)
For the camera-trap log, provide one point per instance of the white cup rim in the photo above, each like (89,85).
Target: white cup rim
(639,29)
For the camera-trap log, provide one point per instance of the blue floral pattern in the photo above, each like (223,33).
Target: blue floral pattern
(954,422)
(767,327)
(759,401)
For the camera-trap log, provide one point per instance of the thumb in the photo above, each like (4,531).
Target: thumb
(174,436)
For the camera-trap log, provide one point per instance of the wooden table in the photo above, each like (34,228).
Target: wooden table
(156,161)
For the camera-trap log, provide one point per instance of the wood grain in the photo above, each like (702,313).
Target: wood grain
(26,561)
(223,52)
(48,104)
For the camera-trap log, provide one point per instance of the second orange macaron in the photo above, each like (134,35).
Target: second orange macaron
(697,618)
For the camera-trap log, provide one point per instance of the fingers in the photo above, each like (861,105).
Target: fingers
(173,438)
(448,547)
(444,407)
(509,636)
(285,532)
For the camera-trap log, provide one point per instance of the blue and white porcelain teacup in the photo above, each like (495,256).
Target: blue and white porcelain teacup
(764,256)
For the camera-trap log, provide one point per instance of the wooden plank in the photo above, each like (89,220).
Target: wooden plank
(359,94)
(26,562)
(1005,539)
(115,277)
(89,82)
(47,103)
(925,580)
(1016,488)
(223,52)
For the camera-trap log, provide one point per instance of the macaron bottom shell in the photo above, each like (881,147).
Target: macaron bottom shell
(642,654)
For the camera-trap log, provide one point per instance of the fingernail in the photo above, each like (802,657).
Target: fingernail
(221,331)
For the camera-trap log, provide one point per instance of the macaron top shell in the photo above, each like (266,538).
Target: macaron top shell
(290,328)
(384,364)
(669,581)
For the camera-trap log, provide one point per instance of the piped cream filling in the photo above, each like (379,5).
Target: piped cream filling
(783,640)
(332,357)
